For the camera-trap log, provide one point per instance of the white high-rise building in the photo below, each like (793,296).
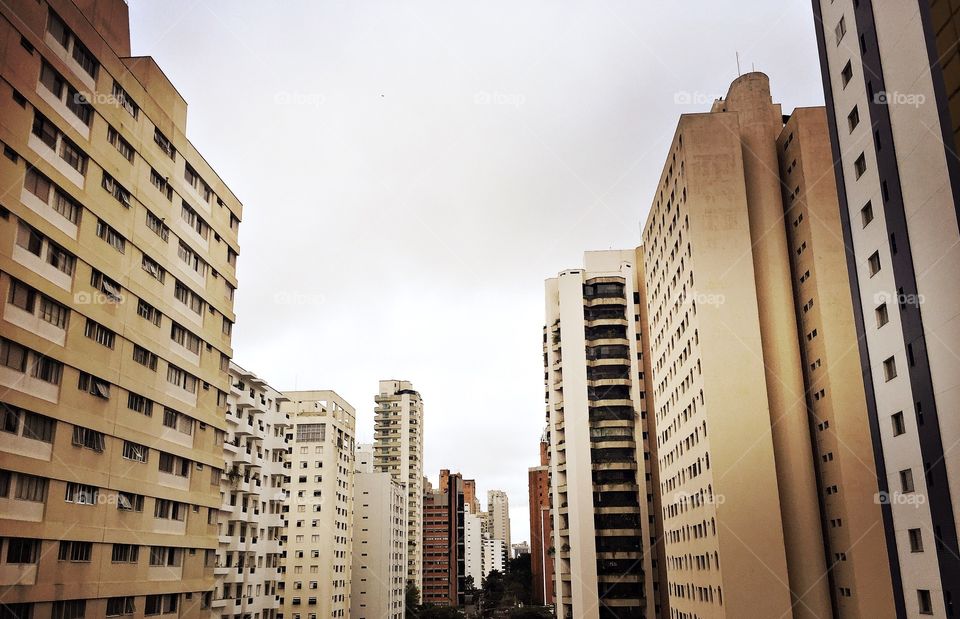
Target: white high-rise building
(499,508)
(253,492)
(364,461)
(379,545)
(494,556)
(398,450)
(473,547)
(319,531)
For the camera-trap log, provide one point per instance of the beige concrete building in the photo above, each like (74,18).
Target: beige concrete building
(602,483)
(379,547)
(754,362)
(472,546)
(118,248)
(319,532)
(498,506)
(398,450)
(254,492)
(891,76)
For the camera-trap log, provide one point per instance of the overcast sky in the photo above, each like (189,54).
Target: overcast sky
(411,172)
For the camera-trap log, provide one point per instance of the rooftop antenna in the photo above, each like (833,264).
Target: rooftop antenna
(738,64)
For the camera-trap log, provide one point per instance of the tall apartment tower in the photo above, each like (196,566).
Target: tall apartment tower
(891,82)
(379,545)
(499,507)
(398,450)
(320,522)
(254,491)
(602,483)
(118,247)
(541,531)
(444,566)
(764,457)
(472,545)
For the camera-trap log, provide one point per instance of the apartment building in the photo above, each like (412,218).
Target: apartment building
(891,80)
(601,480)
(318,537)
(254,492)
(494,556)
(472,545)
(470,500)
(118,248)
(498,506)
(398,450)
(763,453)
(444,567)
(379,546)
(541,531)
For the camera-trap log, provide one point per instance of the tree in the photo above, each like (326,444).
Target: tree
(411,599)
(429,611)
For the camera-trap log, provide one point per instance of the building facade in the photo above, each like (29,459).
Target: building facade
(398,450)
(602,483)
(472,546)
(320,521)
(541,528)
(444,567)
(891,85)
(118,248)
(254,493)
(379,546)
(498,506)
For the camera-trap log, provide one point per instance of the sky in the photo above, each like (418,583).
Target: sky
(412,171)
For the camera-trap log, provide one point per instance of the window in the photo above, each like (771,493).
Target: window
(135,451)
(916,540)
(66,93)
(69,41)
(158,181)
(160,604)
(164,143)
(177,421)
(69,609)
(48,133)
(145,310)
(29,239)
(853,118)
(129,502)
(311,432)
(227,326)
(107,286)
(883,316)
(188,297)
(125,553)
(42,187)
(898,423)
(169,510)
(153,268)
(156,224)
(94,386)
(185,338)
(53,312)
(866,214)
(174,465)
(123,147)
(889,369)
(31,488)
(116,190)
(873,263)
(10,419)
(124,100)
(60,258)
(22,296)
(88,439)
(144,357)
(860,165)
(13,355)
(846,74)
(191,258)
(164,556)
(75,551)
(81,494)
(194,220)
(111,236)
(117,607)
(99,334)
(841,29)
(181,378)
(906,480)
(46,369)
(139,404)
(924,602)
(22,550)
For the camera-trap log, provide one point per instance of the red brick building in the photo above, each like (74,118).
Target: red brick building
(541,531)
